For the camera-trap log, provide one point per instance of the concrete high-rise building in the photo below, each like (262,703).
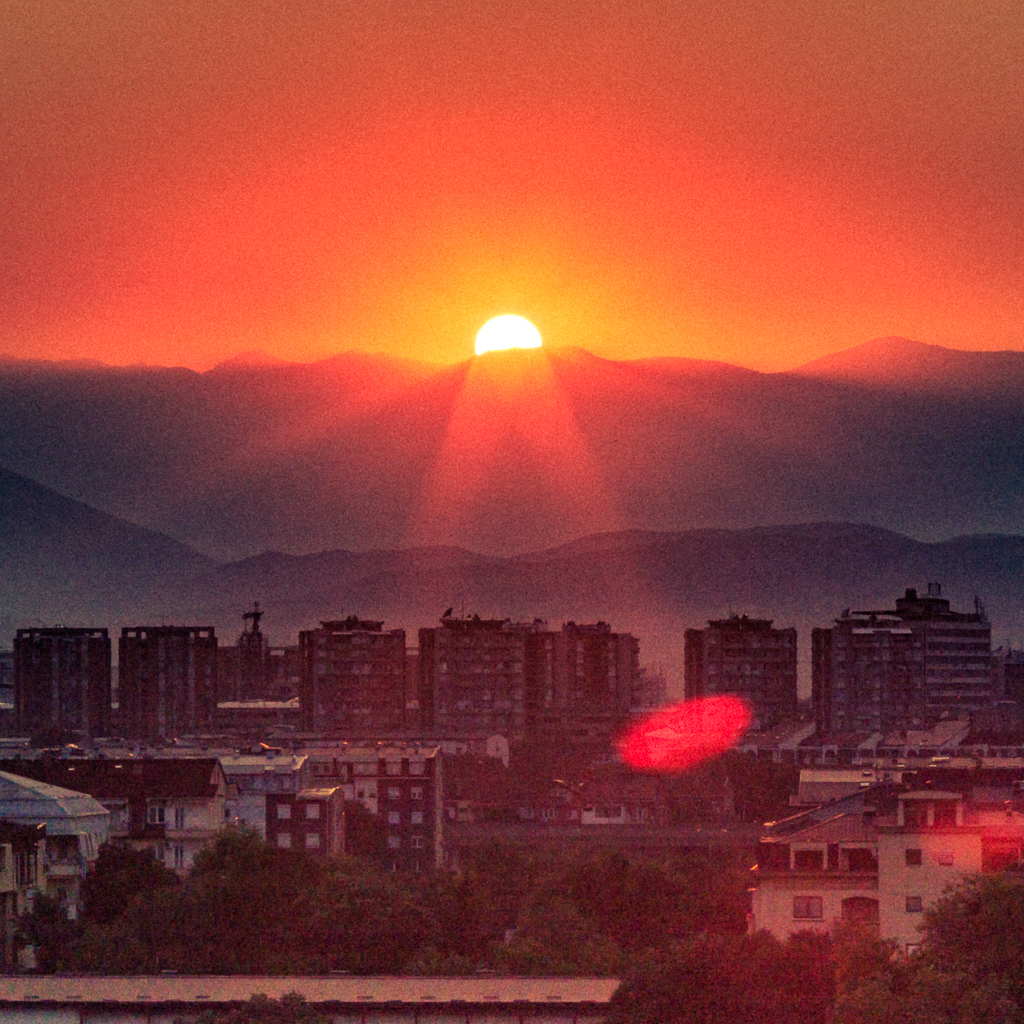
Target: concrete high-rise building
(62,681)
(748,658)
(352,678)
(167,681)
(521,679)
(899,668)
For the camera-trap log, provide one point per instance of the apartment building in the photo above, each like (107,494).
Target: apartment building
(521,679)
(254,778)
(167,681)
(72,826)
(312,820)
(352,678)
(402,784)
(62,681)
(173,806)
(906,667)
(748,658)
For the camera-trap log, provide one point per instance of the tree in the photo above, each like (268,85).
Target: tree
(119,875)
(724,979)
(289,1009)
(966,972)
(365,834)
(47,929)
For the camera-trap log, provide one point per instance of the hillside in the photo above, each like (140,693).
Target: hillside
(513,453)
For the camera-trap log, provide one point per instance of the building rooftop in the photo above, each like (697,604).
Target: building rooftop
(202,990)
(25,801)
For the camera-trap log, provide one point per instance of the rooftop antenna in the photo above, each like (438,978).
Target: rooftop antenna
(255,615)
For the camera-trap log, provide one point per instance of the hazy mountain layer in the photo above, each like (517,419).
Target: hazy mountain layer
(521,451)
(63,562)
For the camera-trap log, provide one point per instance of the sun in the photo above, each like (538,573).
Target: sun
(507,332)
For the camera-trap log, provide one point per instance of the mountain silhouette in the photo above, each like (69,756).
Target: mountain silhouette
(61,561)
(516,452)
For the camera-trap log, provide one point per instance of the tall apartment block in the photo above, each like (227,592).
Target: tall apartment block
(900,668)
(62,681)
(167,681)
(745,657)
(352,678)
(483,676)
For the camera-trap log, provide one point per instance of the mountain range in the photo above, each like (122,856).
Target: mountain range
(516,452)
(551,484)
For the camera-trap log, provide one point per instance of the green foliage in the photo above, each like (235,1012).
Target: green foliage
(365,834)
(119,875)
(725,979)
(248,908)
(48,929)
(289,1009)
(968,970)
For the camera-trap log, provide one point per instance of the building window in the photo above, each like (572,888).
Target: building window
(807,908)
(805,860)
(417,842)
(284,840)
(914,905)
(312,840)
(394,768)
(179,857)
(913,858)
(155,815)
(312,812)
(394,818)
(945,858)
(394,793)
(284,812)
(394,842)
(417,767)
(416,793)
(417,817)
(179,817)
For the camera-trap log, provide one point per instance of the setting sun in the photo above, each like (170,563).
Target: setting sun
(507,332)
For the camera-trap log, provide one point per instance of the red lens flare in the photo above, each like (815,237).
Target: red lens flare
(682,735)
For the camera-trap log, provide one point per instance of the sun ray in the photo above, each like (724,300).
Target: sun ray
(514,469)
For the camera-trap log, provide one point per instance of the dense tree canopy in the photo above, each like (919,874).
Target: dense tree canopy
(247,907)
(672,928)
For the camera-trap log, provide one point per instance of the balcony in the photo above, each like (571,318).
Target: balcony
(65,867)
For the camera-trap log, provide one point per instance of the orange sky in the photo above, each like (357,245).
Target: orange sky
(755,182)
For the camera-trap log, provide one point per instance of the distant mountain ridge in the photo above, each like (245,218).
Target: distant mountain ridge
(61,561)
(902,363)
(365,451)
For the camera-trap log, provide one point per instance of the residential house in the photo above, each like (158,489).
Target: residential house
(881,858)
(311,819)
(173,806)
(76,826)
